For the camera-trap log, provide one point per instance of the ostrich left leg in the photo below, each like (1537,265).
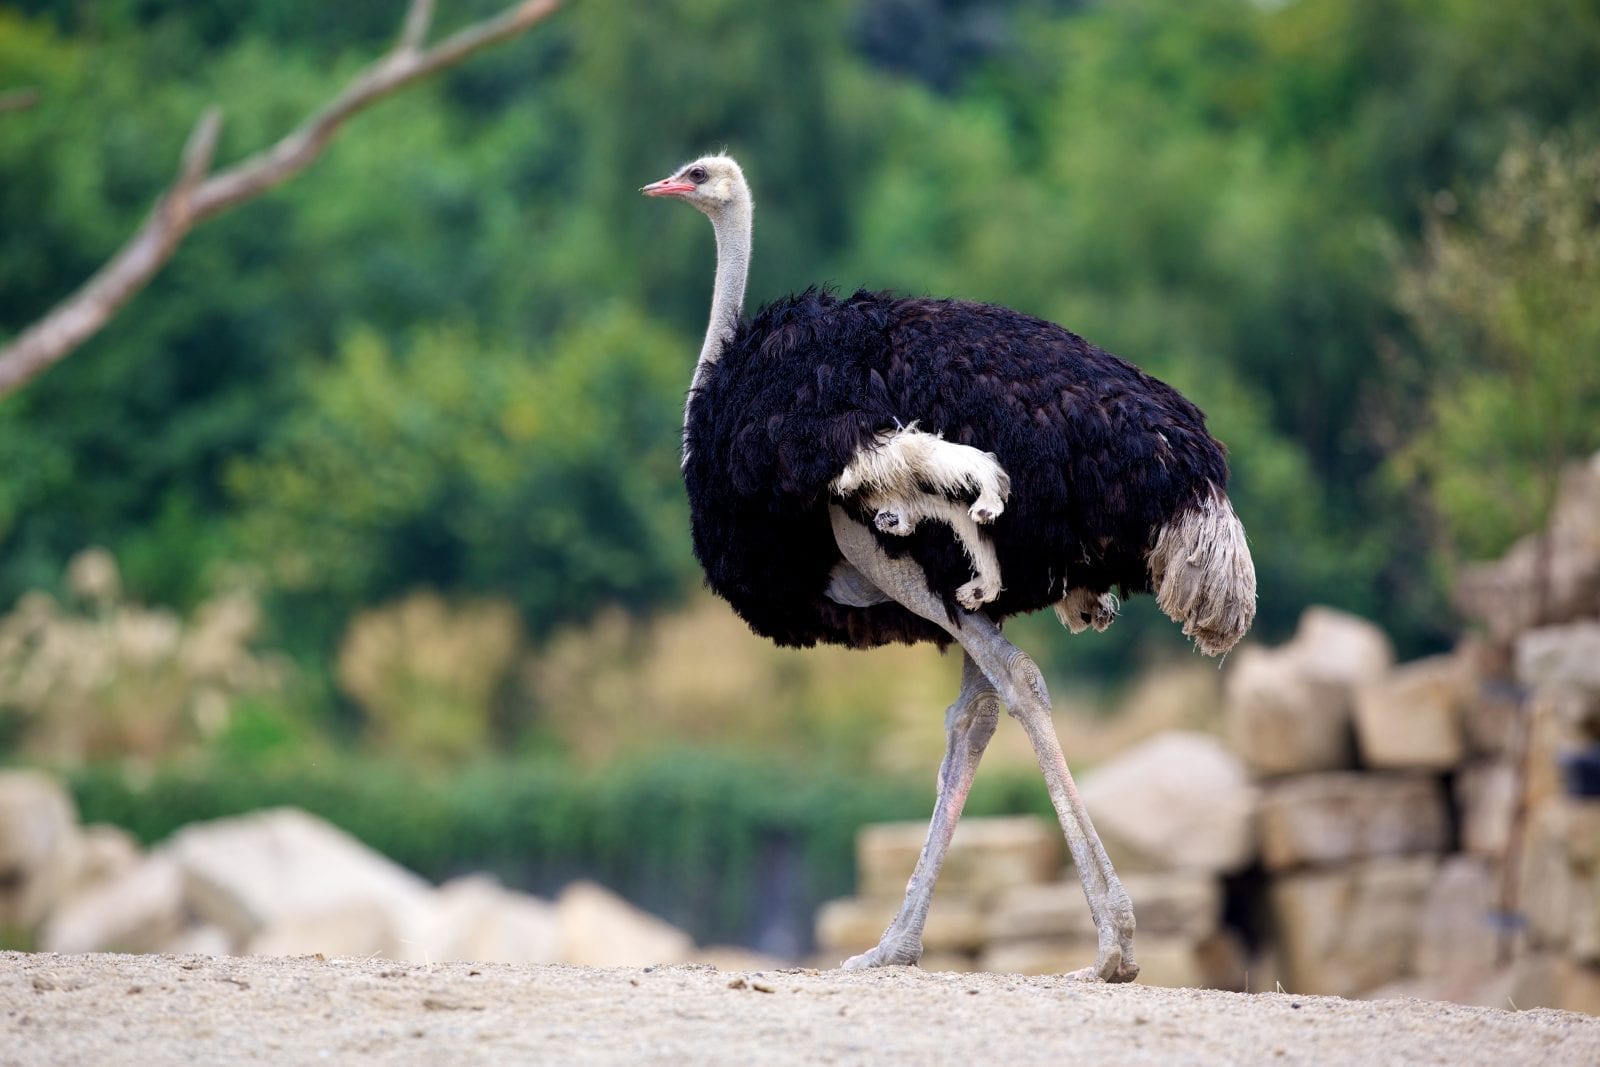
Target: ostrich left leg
(1020,685)
(969,723)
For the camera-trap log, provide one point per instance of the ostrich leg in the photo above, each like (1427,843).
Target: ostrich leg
(1020,685)
(969,723)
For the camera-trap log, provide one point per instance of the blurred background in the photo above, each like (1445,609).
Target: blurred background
(369,502)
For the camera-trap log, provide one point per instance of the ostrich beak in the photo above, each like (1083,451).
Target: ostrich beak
(667,187)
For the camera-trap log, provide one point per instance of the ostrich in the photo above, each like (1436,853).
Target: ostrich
(1072,471)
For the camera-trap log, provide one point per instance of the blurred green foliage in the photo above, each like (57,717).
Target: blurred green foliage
(1508,306)
(452,354)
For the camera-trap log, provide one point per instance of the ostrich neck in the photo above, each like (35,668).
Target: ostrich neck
(727,298)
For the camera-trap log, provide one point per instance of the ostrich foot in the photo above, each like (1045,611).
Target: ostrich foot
(892,951)
(1112,967)
(978,592)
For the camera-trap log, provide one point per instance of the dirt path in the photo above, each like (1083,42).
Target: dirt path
(196,1009)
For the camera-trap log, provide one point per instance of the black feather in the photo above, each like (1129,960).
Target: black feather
(806,383)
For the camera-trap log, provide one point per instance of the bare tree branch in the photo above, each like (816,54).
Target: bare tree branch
(193,197)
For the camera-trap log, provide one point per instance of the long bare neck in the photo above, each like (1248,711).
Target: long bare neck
(732,227)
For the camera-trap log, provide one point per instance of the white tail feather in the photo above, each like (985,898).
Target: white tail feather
(1203,576)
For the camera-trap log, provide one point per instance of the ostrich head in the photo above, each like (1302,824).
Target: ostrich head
(714,185)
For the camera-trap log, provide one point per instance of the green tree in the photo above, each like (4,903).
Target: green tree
(1504,302)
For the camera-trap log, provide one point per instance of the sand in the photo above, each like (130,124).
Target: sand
(109,1009)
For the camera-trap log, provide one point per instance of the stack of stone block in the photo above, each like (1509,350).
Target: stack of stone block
(1350,753)
(1176,814)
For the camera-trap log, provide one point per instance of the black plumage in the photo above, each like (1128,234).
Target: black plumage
(1100,455)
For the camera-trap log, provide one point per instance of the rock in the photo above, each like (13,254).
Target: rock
(1490,719)
(1340,649)
(108,851)
(986,855)
(600,929)
(1223,961)
(942,962)
(738,958)
(1279,720)
(1486,798)
(1561,877)
(296,875)
(1529,981)
(1185,904)
(348,928)
(1287,710)
(1578,987)
(1041,956)
(1566,660)
(1180,801)
(1457,935)
(40,848)
(1339,816)
(1506,596)
(1164,960)
(1345,930)
(137,910)
(203,939)
(476,918)
(1411,717)
(1056,911)
(854,924)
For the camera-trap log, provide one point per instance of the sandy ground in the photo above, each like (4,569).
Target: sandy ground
(104,1009)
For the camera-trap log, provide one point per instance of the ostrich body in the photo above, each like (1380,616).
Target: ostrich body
(871,468)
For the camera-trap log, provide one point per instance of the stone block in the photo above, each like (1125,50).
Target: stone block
(1319,819)
(1560,889)
(1164,960)
(345,929)
(202,939)
(1551,576)
(107,851)
(600,929)
(1346,930)
(1037,956)
(1281,720)
(476,918)
(854,924)
(985,856)
(137,910)
(1561,657)
(1055,911)
(1186,904)
(1179,801)
(1411,717)
(1578,987)
(260,871)
(1287,710)
(1486,798)
(1341,649)
(1457,935)
(41,848)
(1489,719)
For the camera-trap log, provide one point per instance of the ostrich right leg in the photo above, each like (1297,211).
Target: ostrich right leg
(1019,684)
(969,723)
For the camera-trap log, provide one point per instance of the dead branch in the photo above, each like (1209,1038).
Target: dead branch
(194,197)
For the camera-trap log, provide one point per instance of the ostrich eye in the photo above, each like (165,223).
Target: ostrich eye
(697,174)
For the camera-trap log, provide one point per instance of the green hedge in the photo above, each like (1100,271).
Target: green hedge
(730,848)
